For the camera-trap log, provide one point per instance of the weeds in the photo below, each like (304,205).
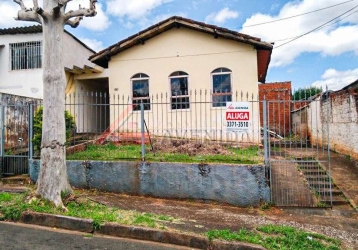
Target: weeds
(12,205)
(278,237)
(265,205)
(144,219)
(5,197)
(112,152)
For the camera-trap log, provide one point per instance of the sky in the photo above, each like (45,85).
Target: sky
(316,41)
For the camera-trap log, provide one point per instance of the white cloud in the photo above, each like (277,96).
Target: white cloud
(336,80)
(221,16)
(9,9)
(332,40)
(145,22)
(133,9)
(92,43)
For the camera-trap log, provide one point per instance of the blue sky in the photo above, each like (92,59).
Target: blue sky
(327,56)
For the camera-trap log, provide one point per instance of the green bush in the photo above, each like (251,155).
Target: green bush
(36,141)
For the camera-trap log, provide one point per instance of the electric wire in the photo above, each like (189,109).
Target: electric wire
(317,28)
(330,24)
(285,18)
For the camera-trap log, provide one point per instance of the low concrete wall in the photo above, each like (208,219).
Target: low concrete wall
(234,184)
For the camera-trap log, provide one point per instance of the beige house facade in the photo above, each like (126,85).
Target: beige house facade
(184,72)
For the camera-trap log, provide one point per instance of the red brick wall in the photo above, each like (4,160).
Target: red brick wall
(279,111)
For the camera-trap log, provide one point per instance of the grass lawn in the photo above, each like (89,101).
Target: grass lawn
(278,237)
(270,236)
(110,152)
(12,205)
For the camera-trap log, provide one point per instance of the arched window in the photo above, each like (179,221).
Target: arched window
(140,91)
(179,90)
(221,87)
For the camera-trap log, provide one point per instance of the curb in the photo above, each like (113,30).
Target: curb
(138,233)
(58,221)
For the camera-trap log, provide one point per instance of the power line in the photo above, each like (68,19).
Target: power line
(317,28)
(326,25)
(285,18)
(188,55)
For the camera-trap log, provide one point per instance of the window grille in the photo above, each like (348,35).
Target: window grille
(179,90)
(27,55)
(140,88)
(221,87)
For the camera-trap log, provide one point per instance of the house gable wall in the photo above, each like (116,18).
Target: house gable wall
(193,52)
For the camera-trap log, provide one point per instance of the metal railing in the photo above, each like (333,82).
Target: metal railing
(198,127)
(291,138)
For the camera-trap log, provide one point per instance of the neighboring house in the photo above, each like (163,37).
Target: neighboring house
(338,110)
(187,62)
(278,96)
(21,60)
(21,57)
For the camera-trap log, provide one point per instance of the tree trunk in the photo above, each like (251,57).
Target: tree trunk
(53,179)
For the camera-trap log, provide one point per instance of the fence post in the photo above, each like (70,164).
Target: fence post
(266,147)
(142,129)
(2,129)
(2,141)
(31,130)
(328,147)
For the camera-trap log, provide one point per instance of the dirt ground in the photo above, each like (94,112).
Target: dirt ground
(199,217)
(191,148)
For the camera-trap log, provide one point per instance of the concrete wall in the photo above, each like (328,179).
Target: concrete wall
(237,185)
(299,122)
(197,54)
(340,110)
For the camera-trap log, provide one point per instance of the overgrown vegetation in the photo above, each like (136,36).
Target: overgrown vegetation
(12,205)
(70,125)
(270,236)
(278,237)
(305,93)
(111,152)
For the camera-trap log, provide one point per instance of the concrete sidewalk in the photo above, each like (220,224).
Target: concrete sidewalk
(198,217)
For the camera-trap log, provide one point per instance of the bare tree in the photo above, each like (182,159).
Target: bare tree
(53,178)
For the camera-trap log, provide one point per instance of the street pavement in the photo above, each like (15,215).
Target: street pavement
(26,237)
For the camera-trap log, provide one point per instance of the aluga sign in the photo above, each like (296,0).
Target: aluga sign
(238,116)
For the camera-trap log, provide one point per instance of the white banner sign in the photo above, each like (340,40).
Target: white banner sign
(238,116)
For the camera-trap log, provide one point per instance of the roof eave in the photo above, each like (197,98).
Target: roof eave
(103,56)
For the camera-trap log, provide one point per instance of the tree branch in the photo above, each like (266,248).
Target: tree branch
(64,2)
(21,3)
(75,22)
(83,11)
(28,15)
(36,4)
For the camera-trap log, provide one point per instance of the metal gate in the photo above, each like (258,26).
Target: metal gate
(296,138)
(15,138)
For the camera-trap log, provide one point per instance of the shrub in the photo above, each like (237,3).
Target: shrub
(36,141)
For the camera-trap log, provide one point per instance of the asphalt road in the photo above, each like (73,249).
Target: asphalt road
(28,237)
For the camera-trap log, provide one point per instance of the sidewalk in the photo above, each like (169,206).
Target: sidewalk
(199,217)
(345,176)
